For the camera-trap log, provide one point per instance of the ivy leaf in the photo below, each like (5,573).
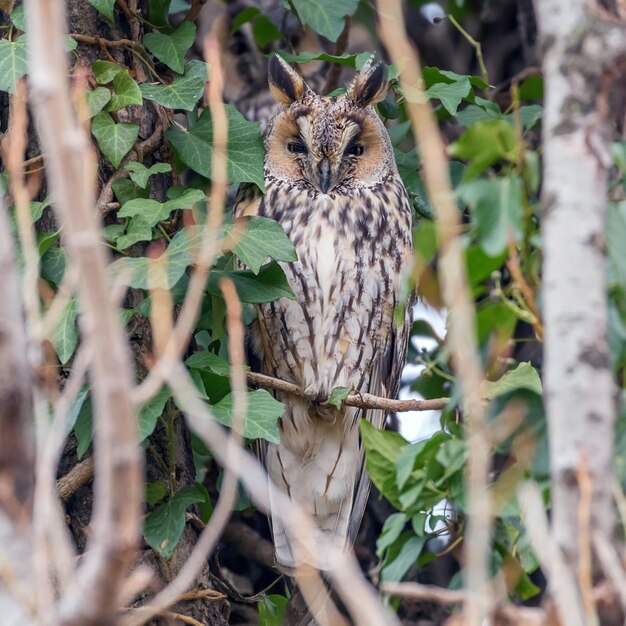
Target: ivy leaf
(139,229)
(205,360)
(524,376)
(484,144)
(183,92)
(261,417)
(155,492)
(164,526)
(13,62)
(151,411)
(272,610)
(127,92)
(153,212)
(450,95)
(245,147)
(83,428)
(65,336)
(269,284)
(115,140)
(382,449)
(406,558)
(325,16)
(97,100)
(497,211)
(75,409)
(338,396)
(254,239)
(171,49)
(105,71)
(104,7)
(18,18)
(392,529)
(140,174)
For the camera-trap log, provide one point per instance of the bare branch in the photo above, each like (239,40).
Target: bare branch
(458,299)
(118,485)
(361,400)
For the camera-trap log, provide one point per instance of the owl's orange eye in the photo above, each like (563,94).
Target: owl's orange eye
(295,147)
(356,149)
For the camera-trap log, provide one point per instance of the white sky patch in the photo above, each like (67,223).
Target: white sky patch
(433,11)
(418,425)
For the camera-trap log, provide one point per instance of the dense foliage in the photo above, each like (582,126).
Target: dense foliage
(160,195)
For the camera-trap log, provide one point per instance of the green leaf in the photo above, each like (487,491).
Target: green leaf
(97,100)
(409,553)
(204,360)
(450,95)
(264,31)
(139,229)
(153,212)
(140,174)
(382,449)
(497,211)
(127,92)
(484,144)
(115,140)
(155,492)
(272,610)
(105,71)
(269,284)
(261,417)
(392,529)
(338,396)
(254,239)
(104,7)
(245,147)
(164,526)
(75,409)
(184,91)
(434,75)
(65,338)
(615,234)
(18,18)
(171,49)
(524,376)
(325,16)
(151,411)
(83,428)
(243,17)
(13,62)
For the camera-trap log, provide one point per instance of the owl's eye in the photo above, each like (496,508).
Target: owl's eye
(356,149)
(295,147)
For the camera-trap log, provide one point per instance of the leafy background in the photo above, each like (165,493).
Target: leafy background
(154,141)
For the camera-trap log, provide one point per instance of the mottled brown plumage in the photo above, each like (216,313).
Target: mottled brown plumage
(333,185)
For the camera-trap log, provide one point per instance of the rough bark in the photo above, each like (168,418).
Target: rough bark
(583,56)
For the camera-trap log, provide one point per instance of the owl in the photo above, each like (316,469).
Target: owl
(333,185)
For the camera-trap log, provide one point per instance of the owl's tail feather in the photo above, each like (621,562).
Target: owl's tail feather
(321,480)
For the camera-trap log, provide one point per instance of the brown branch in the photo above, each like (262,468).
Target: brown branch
(194,11)
(76,478)
(359,400)
(425,593)
(334,74)
(118,488)
(100,41)
(458,299)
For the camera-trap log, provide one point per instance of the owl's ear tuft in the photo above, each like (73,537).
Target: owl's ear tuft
(370,84)
(285,84)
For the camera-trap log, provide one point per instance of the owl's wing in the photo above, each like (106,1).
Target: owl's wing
(384,382)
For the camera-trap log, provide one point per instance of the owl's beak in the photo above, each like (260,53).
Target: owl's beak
(324,171)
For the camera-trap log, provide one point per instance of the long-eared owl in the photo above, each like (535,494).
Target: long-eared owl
(332,183)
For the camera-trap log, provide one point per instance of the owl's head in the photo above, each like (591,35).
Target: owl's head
(328,144)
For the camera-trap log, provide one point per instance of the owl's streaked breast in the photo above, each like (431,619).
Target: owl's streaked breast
(351,249)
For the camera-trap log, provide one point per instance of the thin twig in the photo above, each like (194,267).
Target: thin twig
(475,44)
(561,579)
(76,478)
(360,400)
(118,488)
(426,593)
(458,299)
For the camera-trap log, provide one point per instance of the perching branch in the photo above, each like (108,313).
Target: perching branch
(359,400)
